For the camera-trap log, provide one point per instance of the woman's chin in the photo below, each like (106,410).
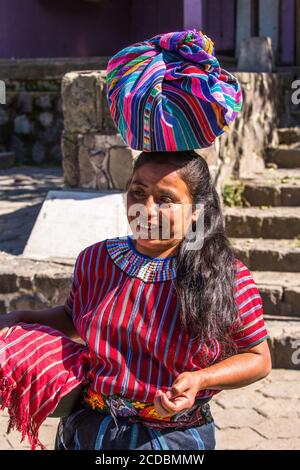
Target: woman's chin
(145,239)
(148,241)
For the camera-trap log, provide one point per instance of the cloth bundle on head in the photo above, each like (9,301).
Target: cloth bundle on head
(169,93)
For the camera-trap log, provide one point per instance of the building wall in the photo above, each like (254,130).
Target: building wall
(67,28)
(62,28)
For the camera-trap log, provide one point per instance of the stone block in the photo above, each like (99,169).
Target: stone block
(54,287)
(38,152)
(7,160)
(29,302)
(97,161)
(256,55)
(282,428)
(24,102)
(46,119)
(238,439)
(84,103)
(284,344)
(23,125)
(8,282)
(285,407)
(70,163)
(238,418)
(120,166)
(44,102)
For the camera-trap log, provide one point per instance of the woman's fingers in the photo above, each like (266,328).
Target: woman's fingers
(166,407)
(168,404)
(163,412)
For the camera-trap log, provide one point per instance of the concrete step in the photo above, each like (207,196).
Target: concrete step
(288,135)
(284,343)
(284,156)
(263,254)
(27,284)
(280,292)
(280,187)
(256,222)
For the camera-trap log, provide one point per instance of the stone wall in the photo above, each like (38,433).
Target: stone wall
(264,109)
(30,285)
(95,156)
(94,153)
(31,121)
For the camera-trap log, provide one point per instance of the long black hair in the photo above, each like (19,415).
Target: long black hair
(205,277)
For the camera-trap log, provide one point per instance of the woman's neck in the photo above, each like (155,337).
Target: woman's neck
(155,254)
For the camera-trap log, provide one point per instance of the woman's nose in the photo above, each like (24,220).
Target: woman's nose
(151,210)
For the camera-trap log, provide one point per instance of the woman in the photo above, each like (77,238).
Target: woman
(167,327)
(167,323)
(165,313)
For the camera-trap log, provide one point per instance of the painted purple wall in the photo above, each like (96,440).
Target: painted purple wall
(155,17)
(68,28)
(219,22)
(62,28)
(287,39)
(78,28)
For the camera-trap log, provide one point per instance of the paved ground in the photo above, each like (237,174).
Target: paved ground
(264,415)
(22,191)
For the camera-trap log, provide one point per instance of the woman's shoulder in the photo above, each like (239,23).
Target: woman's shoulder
(99,245)
(245,283)
(242,270)
(87,250)
(97,250)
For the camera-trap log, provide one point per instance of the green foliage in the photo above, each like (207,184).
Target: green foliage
(232,193)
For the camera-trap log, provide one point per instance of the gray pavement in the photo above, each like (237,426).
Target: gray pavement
(22,192)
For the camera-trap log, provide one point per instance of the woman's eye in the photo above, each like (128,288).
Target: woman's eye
(137,193)
(163,200)
(166,201)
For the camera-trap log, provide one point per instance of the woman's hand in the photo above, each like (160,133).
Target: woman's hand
(182,395)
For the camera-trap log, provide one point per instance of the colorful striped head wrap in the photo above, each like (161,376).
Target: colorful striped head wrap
(169,93)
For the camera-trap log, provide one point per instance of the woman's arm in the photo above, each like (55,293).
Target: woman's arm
(236,371)
(56,317)
(239,370)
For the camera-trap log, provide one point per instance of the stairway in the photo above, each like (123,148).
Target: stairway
(264,231)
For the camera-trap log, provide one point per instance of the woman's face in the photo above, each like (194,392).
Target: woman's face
(158,205)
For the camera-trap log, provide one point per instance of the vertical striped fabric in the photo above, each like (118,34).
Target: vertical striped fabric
(125,307)
(170,93)
(131,322)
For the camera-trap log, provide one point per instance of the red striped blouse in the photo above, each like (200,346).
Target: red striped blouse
(124,305)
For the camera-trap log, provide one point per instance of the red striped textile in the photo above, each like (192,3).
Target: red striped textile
(113,293)
(38,366)
(124,306)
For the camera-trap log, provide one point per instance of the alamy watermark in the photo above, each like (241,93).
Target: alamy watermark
(296,94)
(2,92)
(167,222)
(296,354)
